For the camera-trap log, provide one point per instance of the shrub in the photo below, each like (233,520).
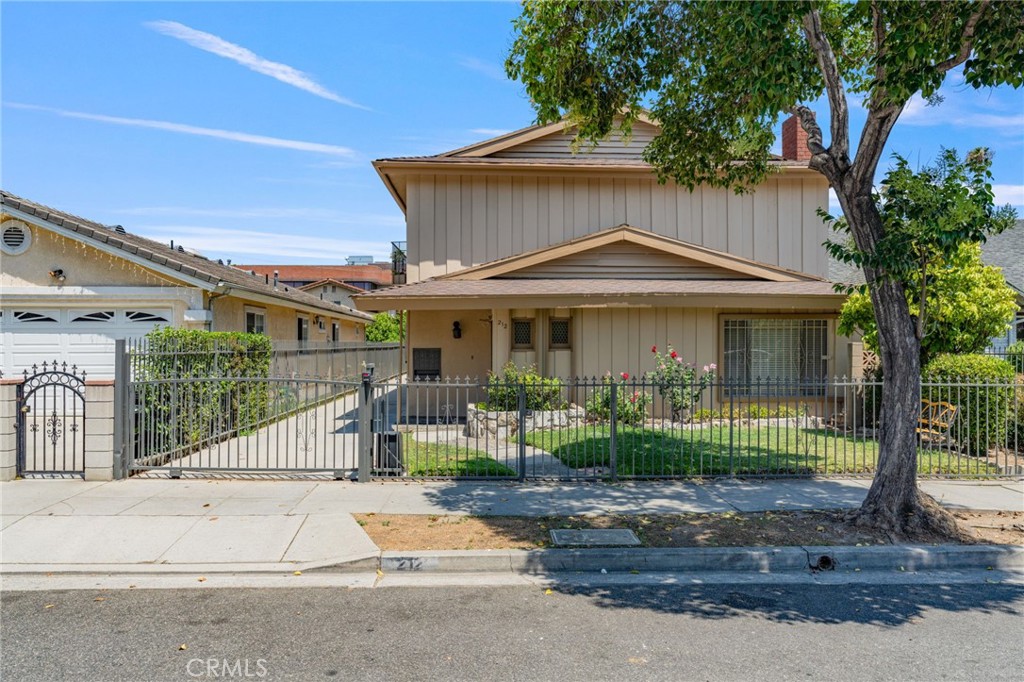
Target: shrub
(631,403)
(542,393)
(677,381)
(1015,356)
(981,386)
(1015,434)
(197,385)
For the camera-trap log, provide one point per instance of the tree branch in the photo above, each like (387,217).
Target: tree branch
(966,40)
(840,123)
(879,30)
(872,142)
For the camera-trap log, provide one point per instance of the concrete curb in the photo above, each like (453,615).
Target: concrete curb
(699,560)
(736,560)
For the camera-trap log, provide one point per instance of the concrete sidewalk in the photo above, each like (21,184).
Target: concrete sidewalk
(153,525)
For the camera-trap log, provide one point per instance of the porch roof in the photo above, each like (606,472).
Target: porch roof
(448,294)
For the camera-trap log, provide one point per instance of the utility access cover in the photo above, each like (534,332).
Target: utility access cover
(600,537)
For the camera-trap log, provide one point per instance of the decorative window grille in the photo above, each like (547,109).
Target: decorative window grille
(30,316)
(560,332)
(98,316)
(788,356)
(522,334)
(426,363)
(145,316)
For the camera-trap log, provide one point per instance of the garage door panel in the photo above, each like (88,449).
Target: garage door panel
(85,339)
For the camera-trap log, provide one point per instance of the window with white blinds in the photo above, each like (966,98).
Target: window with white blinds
(780,351)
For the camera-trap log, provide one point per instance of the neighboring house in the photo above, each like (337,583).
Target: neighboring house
(362,277)
(332,290)
(1005,251)
(519,249)
(71,286)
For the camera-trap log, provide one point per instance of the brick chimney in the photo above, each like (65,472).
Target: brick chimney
(794,141)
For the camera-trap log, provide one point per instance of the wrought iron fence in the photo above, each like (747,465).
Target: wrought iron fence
(598,428)
(212,409)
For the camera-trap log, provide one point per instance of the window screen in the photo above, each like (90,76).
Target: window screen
(790,353)
(255,322)
(426,363)
(559,332)
(522,333)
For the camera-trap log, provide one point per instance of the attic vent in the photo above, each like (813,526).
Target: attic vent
(16,237)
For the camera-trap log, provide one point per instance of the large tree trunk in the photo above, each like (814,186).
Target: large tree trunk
(894,504)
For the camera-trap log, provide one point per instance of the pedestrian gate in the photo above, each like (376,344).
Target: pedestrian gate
(51,421)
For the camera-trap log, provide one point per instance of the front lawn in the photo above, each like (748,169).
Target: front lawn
(718,450)
(447,459)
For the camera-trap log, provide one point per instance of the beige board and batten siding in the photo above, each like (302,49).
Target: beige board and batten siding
(560,145)
(458,221)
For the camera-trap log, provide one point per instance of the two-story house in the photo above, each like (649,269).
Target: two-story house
(521,250)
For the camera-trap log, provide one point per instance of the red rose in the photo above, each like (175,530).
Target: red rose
(674,355)
(654,349)
(625,376)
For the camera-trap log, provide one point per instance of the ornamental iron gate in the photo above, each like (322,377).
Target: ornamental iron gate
(51,421)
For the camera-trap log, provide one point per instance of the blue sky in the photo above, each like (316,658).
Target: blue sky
(246,130)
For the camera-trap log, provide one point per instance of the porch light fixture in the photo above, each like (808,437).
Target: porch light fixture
(456,330)
(58,274)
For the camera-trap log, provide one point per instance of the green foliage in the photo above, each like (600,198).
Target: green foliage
(967,304)
(749,412)
(198,386)
(1015,356)
(542,393)
(716,75)
(386,328)
(1015,434)
(981,386)
(630,403)
(677,381)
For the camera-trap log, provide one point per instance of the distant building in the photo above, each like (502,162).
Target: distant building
(367,277)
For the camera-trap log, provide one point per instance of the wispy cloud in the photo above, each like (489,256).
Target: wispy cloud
(918,112)
(226,243)
(1009,194)
(249,59)
(323,215)
(488,69)
(492,132)
(232,135)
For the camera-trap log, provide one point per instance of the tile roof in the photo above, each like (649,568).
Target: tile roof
(334,282)
(188,264)
(1004,250)
(377,274)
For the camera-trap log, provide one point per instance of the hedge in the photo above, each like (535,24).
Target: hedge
(982,388)
(196,386)
(541,393)
(1015,356)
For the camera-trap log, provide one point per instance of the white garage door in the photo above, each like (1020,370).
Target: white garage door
(82,337)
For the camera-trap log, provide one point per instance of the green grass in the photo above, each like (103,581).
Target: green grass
(754,451)
(445,459)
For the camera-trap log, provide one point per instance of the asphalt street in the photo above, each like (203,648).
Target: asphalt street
(573,632)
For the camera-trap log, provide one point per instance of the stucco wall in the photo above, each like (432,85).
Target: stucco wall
(340,295)
(282,322)
(82,264)
(469,356)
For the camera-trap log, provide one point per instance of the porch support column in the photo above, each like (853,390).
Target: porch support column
(501,339)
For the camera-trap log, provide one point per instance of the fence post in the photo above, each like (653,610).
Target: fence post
(364,441)
(121,381)
(614,430)
(522,431)
(732,431)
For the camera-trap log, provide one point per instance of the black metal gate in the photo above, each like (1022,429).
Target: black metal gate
(51,421)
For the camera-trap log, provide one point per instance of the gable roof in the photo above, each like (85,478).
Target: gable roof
(632,235)
(334,282)
(493,155)
(176,263)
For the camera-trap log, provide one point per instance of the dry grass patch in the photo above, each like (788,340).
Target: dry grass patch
(729,529)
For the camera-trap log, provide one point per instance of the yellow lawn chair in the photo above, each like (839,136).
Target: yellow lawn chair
(935,422)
